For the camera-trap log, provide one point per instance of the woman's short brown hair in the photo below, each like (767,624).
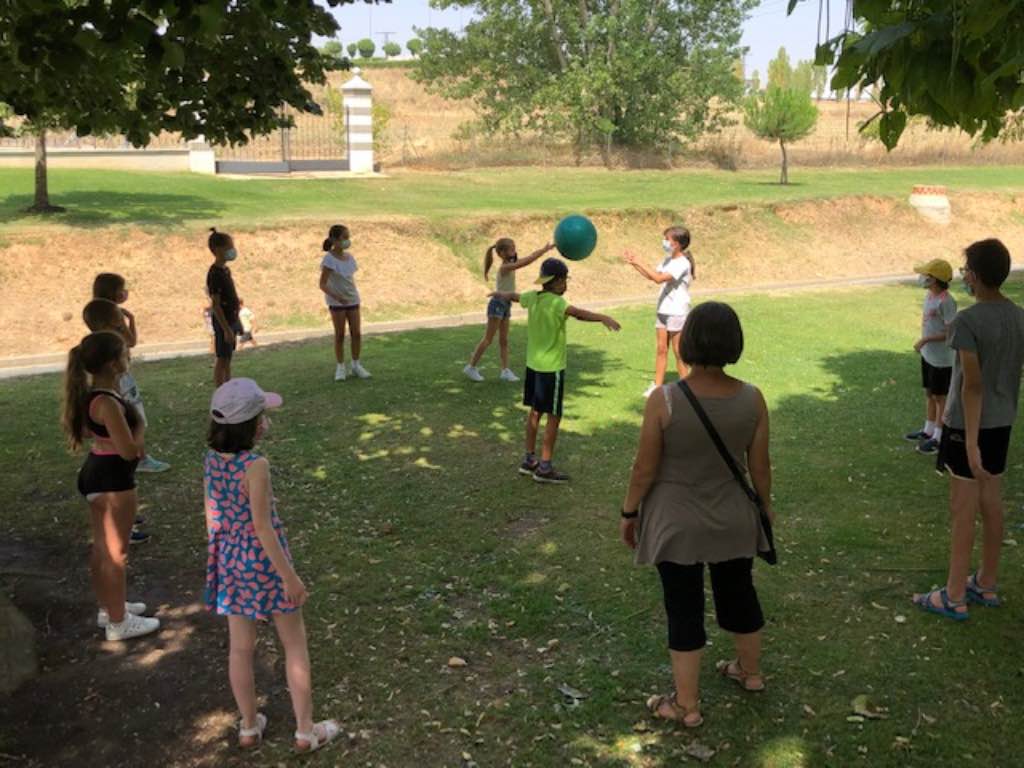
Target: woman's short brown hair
(712,335)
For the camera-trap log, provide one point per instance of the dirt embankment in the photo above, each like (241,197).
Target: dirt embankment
(410,268)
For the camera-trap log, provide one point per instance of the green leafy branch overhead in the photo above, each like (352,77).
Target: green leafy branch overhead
(955,62)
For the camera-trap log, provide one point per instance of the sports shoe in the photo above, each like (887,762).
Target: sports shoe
(472,373)
(549,475)
(916,437)
(139,520)
(358,370)
(507,375)
(103,618)
(138,536)
(149,464)
(647,392)
(132,626)
(339,372)
(528,467)
(928,446)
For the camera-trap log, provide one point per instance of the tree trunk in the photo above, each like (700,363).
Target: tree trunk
(41,201)
(784,179)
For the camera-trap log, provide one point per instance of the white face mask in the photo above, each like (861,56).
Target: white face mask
(230,254)
(922,281)
(666,245)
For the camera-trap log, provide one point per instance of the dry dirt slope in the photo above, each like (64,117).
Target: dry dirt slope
(410,268)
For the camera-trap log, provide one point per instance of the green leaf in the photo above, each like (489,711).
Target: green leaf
(890,128)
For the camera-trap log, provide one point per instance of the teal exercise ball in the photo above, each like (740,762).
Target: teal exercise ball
(575,237)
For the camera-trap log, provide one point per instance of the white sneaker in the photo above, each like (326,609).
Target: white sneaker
(358,370)
(647,392)
(507,375)
(472,373)
(103,618)
(132,626)
(339,372)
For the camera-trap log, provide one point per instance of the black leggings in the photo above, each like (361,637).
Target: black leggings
(736,606)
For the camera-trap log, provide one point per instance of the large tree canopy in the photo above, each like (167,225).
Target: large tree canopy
(957,63)
(138,67)
(629,72)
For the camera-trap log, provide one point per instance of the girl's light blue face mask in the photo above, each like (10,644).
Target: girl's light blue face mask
(230,254)
(666,245)
(345,244)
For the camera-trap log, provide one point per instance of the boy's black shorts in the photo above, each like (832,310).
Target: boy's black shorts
(221,348)
(935,380)
(994,444)
(543,391)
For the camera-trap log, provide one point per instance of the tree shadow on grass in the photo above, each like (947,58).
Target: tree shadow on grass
(421,543)
(103,208)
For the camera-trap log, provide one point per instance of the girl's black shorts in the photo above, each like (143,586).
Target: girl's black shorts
(106,473)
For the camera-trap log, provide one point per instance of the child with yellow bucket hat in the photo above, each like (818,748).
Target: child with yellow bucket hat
(936,354)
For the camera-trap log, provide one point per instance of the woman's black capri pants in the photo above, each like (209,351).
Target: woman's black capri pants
(736,606)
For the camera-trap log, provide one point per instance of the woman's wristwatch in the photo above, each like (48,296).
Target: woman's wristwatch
(630,515)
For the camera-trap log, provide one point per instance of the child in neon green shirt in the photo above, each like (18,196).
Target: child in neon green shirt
(544,383)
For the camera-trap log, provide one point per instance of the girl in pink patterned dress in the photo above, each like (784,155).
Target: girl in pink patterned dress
(249,572)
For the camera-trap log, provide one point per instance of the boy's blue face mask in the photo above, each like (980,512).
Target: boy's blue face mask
(230,254)
(345,244)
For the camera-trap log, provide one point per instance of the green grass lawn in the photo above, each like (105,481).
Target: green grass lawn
(420,542)
(100,198)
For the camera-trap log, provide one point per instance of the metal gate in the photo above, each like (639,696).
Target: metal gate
(314,143)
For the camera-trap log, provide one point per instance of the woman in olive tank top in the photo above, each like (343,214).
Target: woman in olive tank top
(684,508)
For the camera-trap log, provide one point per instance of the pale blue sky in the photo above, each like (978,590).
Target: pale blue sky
(767,28)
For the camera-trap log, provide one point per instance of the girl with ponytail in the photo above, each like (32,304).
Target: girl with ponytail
(337,281)
(499,311)
(94,409)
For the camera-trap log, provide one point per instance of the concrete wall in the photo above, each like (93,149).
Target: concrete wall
(121,159)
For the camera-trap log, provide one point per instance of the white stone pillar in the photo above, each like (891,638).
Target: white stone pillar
(357,98)
(201,157)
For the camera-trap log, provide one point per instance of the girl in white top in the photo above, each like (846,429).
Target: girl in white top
(674,275)
(337,281)
(499,311)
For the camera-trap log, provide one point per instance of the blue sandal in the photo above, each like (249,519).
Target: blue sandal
(976,593)
(948,607)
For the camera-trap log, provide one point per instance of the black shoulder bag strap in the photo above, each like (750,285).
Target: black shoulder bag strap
(769,555)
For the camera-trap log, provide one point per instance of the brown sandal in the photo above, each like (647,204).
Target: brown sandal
(680,714)
(733,670)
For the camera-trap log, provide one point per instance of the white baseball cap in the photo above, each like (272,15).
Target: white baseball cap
(239,400)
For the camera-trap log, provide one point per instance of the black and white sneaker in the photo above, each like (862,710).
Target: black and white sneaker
(138,536)
(916,437)
(550,475)
(928,446)
(529,466)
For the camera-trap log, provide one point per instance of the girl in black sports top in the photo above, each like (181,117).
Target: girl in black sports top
(94,409)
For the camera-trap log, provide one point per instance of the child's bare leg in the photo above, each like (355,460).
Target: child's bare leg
(242,637)
(532,426)
(338,321)
(550,435)
(355,327)
(221,371)
(940,409)
(660,355)
(117,513)
(292,631)
(992,530)
(485,342)
(99,557)
(681,368)
(503,341)
(963,508)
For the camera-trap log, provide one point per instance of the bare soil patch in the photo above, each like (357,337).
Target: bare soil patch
(411,268)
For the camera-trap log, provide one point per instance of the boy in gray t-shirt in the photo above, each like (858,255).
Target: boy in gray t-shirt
(936,354)
(989,342)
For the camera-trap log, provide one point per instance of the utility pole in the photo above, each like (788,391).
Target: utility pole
(386,36)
